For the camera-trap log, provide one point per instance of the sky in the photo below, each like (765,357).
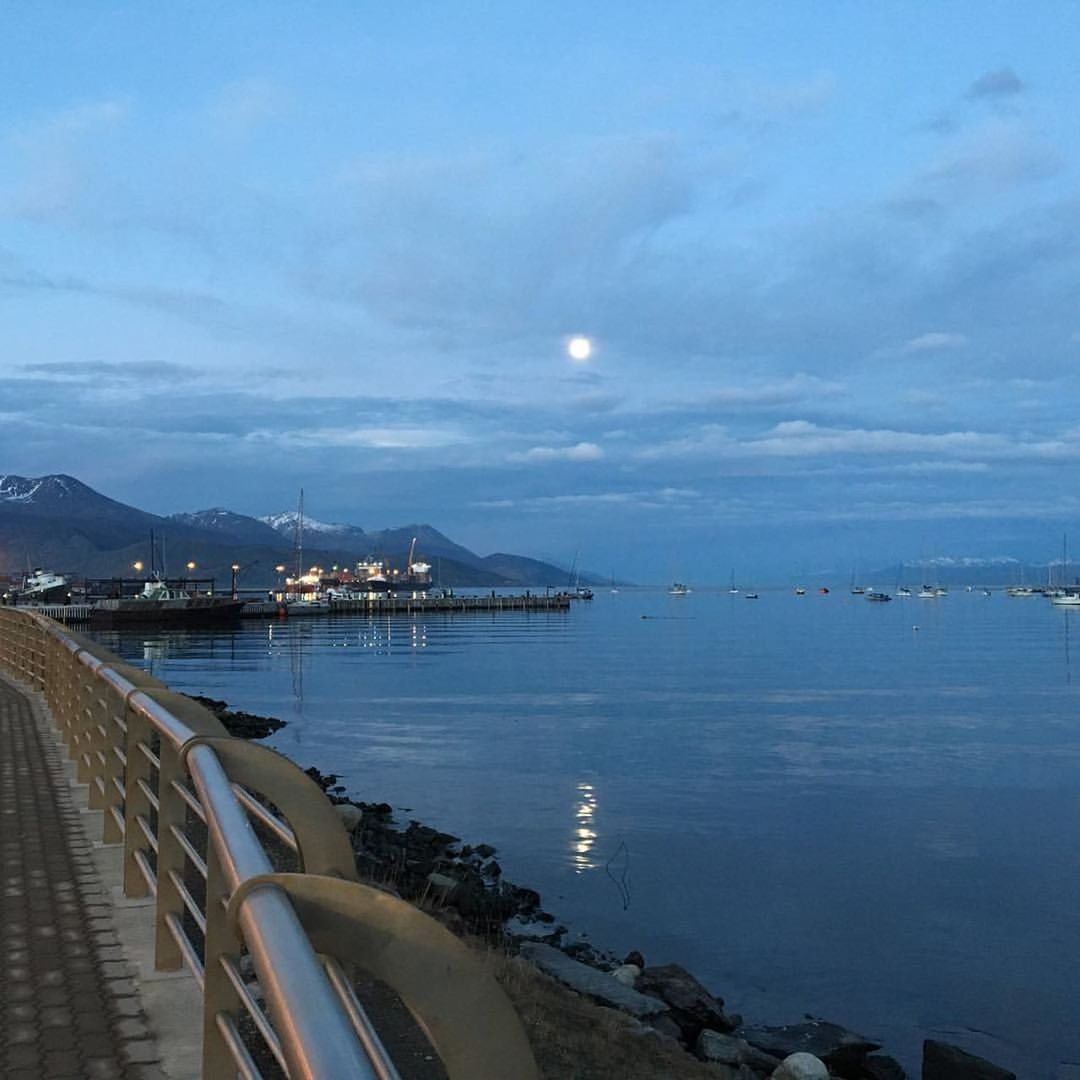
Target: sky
(827,256)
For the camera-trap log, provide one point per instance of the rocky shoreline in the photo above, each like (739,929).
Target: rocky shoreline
(463,886)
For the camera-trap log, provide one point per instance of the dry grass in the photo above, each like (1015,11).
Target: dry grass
(574,1039)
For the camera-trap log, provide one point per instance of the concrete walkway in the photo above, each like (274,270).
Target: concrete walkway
(69,1006)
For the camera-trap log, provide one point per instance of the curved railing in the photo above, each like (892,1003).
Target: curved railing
(195,812)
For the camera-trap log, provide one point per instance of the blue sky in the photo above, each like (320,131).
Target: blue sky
(828,256)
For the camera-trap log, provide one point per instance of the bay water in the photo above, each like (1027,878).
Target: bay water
(866,812)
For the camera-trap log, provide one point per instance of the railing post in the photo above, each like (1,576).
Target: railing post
(172,810)
(135,802)
(219,994)
(112,773)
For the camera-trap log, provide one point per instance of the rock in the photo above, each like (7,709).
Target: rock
(634,957)
(351,816)
(627,974)
(731,1050)
(692,1005)
(442,883)
(801,1066)
(841,1050)
(724,1049)
(883,1067)
(666,1027)
(521,929)
(943,1061)
(590,982)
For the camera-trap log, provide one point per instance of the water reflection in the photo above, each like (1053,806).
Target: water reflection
(584,831)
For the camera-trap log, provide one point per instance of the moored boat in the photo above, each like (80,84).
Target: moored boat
(678,589)
(160,605)
(877,597)
(44,587)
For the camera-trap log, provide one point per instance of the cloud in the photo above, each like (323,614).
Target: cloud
(128,371)
(386,438)
(582,451)
(995,156)
(52,160)
(800,438)
(650,499)
(796,388)
(933,341)
(996,84)
(241,108)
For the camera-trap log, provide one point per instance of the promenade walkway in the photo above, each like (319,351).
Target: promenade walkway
(69,1006)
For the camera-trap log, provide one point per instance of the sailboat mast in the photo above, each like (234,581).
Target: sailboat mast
(299,537)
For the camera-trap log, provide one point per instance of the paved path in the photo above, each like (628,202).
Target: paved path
(68,1004)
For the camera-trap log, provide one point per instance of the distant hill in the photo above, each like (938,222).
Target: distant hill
(60,523)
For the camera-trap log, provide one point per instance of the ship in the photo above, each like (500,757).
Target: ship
(160,604)
(45,587)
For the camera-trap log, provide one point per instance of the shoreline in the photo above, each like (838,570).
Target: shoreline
(462,885)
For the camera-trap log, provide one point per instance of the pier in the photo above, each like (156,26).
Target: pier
(375,604)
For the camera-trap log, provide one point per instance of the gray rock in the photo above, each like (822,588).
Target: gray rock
(531,930)
(725,1049)
(592,983)
(351,816)
(730,1050)
(943,1061)
(693,1006)
(663,1025)
(627,974)
(801,1066)
(841,1050)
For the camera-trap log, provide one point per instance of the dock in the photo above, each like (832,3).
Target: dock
(376,604)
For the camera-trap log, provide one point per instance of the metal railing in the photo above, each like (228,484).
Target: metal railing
(203,819)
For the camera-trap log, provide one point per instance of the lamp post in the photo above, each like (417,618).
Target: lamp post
(190,568)
(279,570)
(235,577)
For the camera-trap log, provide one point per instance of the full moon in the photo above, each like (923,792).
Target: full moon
(579,349)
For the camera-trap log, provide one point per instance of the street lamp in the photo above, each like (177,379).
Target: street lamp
(279,570)
(137,566)
(235,576)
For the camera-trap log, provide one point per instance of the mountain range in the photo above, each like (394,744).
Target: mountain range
(60,523)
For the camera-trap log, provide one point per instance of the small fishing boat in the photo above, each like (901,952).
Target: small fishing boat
(877,597)
(678,589)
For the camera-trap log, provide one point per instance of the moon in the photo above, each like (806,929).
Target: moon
(579,349)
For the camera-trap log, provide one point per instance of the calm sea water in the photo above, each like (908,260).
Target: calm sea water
(869,812)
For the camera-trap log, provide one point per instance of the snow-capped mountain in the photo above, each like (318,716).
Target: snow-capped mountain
(237,526)
(40,489)
(285,523)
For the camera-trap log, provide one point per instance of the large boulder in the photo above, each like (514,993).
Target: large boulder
(801,1066)
(943,1061)
(591,982)
(723,1049)
(691,1004)
(842,1050)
